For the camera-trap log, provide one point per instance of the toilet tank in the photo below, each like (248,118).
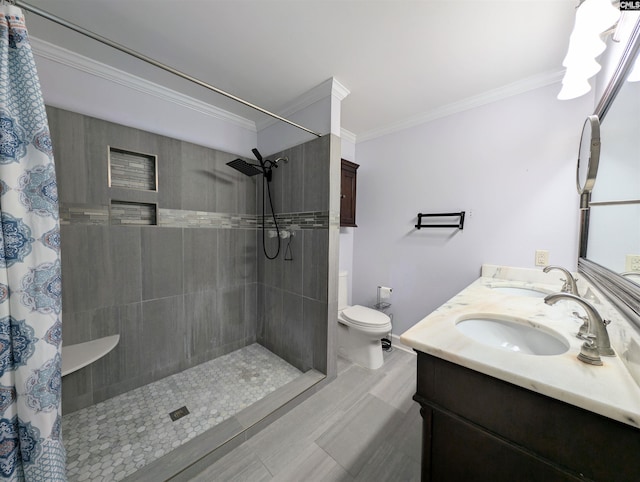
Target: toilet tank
(343,286)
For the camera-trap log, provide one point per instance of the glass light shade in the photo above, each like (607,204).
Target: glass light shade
(583,42)
(582,66)
(573,87)
(593,17)
(596,15)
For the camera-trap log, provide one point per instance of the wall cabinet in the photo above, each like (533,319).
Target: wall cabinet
(348,193)
(479,428)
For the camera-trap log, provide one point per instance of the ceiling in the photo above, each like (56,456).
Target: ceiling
(399,59)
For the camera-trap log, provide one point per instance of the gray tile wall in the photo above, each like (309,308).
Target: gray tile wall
(294,296)
(180,296)
(177,296)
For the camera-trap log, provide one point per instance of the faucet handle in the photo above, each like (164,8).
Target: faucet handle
(589,351)
(584,328)
(579,316)
(566,287)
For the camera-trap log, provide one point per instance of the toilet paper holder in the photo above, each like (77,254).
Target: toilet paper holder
(384,293)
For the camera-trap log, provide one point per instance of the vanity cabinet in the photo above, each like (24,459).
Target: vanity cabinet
(348,176)
(479,428)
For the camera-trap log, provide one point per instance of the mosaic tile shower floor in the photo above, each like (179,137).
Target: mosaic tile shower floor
(113,439)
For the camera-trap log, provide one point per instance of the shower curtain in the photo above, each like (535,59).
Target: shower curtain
(30,282)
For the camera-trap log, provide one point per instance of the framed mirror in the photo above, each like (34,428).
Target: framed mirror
(610,209)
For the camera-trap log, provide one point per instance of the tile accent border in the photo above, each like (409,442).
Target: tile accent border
(72,214)
(84,214)
(178,218)
(297,221)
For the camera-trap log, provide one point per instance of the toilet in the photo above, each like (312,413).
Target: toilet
(360,330)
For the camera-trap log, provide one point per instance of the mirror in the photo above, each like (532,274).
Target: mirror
(610,238)
(614,234)
(588,155)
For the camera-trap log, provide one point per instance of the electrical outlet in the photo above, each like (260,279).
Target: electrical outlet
(632,262)
(542,257)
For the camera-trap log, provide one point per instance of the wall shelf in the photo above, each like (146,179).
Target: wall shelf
(75,357)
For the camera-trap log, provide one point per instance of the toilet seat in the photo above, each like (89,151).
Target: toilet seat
(365,318)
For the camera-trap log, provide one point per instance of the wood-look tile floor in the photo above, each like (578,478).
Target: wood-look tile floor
(363,426)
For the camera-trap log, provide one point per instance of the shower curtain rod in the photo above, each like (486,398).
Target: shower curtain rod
(153,62)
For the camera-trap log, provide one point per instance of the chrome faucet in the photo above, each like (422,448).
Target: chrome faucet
(597,340)
(569,285)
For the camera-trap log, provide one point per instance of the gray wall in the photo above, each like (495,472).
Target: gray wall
(177,296)
(294,295)
(196,286)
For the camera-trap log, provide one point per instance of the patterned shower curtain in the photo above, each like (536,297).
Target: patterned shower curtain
(30,283)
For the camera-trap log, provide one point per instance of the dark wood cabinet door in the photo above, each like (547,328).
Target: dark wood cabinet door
(348,193)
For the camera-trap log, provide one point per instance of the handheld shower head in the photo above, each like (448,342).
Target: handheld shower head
(257,154)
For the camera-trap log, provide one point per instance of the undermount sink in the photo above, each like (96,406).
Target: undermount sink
(513,335)
(519,291)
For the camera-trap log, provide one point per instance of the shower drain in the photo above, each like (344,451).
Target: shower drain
(179,413)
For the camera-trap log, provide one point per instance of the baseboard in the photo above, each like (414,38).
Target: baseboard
(396,343)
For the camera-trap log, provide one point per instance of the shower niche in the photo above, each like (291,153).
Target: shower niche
(124,213)
(132,170)
(130,173)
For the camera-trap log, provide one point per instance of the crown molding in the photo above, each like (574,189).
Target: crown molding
(79,62)
(347,135)
(494,95)
(338,89)
(330,87)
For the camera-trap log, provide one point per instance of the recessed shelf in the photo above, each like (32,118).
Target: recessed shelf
(127,213)
(132,170)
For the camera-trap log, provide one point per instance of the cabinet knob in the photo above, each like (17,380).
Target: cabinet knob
(342,196)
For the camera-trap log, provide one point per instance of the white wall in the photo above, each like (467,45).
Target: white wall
(348,152)
(510,165)
(73,82)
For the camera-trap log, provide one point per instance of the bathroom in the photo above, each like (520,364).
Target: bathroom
(505,157)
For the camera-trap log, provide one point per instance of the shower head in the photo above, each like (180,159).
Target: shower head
(244,167)
(257,154)
(252,169)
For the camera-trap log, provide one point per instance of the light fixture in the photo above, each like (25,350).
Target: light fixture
(593,17)
(573,87)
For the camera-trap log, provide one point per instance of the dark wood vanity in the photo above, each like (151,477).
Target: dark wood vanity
(479,428)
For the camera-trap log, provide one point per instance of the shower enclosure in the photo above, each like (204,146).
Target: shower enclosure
(162,245)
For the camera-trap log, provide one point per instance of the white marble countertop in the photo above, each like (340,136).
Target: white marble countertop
(608,390)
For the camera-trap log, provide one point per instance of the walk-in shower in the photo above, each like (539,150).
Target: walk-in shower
(214,337)
(265,168)
(207,326)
